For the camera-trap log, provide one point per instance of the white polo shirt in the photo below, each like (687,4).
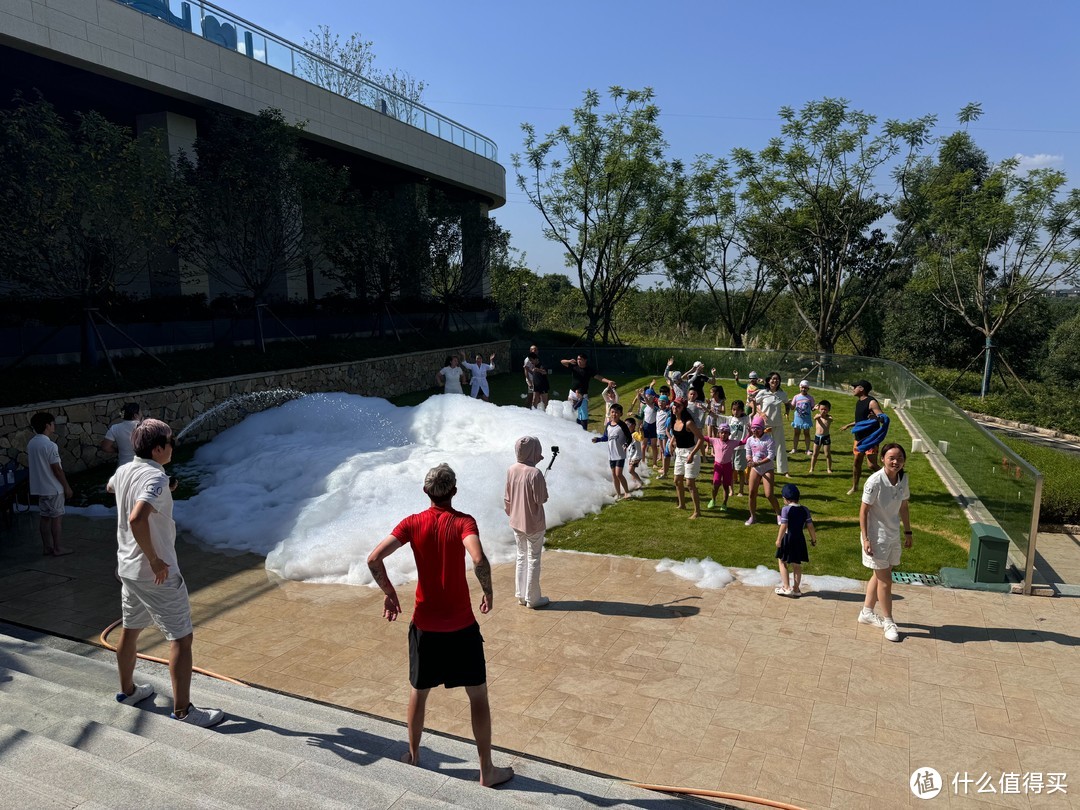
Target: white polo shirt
(120,435)
(143,480)
(41,454)
(884,498)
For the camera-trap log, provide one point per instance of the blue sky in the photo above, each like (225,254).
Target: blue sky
(720,70)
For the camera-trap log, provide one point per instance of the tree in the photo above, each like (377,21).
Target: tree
(992,239)
(347,67)
(1064,347)
(608,195)
(459,243)
(405,94)
(741,287)
(81,205)
(248,190)
(813,207)
(368,239)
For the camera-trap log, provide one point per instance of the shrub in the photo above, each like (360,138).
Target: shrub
(1061,480)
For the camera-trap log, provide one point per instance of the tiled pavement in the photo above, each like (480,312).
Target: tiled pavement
(642,675)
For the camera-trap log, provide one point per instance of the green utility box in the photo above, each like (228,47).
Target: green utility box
(989,555)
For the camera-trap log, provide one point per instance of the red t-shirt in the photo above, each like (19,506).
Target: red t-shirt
(443,603)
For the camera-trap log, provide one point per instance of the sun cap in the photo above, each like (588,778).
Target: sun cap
(753,375)
(679,401)
(790,492)
(676,375)
(804,383)
(650,392)
(757,422)
(698,364)
(725,428)
(664,398)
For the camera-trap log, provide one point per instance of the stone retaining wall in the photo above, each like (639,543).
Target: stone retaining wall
(81,423)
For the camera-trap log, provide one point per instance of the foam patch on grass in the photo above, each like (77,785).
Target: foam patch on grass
(711,575)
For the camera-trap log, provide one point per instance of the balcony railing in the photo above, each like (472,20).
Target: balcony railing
(217,25)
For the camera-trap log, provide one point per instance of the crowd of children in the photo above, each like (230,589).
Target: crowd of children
(676,420)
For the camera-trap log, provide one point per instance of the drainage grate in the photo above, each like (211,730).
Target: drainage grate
(915,579)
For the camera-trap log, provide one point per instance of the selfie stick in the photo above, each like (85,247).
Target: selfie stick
(554,453)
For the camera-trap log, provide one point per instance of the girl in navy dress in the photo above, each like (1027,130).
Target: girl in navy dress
(791,542)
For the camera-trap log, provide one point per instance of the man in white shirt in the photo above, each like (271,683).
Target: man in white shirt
(118,438)
(153,589)
(48,482)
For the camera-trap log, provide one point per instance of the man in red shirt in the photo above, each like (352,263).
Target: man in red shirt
(445,645)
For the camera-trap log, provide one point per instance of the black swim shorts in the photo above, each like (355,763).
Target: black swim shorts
(446,659)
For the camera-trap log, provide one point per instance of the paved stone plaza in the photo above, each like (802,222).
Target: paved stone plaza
(642,675)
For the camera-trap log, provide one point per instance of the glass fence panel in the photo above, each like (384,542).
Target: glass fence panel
(217,25)
(997,486)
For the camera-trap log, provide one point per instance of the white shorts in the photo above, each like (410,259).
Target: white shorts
(51,506)
(164,605)
(886,554)
(684,468)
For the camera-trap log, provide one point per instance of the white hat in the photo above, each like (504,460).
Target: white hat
(804,384)
(698,363)
(753,375)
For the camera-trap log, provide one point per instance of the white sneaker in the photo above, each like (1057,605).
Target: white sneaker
(543,601)
(203,718)
(142,692)
(891,633)
(867,616)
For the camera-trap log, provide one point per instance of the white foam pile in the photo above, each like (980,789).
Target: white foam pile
(316,483)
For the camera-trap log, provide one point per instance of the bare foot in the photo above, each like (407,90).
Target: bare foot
(408,758)
(625,496)
(495,776)
(695,515)
(680,506)
(62,552)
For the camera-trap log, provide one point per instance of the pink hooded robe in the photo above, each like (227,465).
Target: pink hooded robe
(526,490)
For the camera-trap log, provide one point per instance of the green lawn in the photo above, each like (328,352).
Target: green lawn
(651,527)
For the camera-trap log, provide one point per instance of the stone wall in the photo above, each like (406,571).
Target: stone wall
(81,423)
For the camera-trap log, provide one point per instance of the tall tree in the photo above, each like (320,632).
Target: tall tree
(248,189)
(741,287)
(347,67)
(608,195)
(355,54)
(813,207)
(80,204)
(991,238)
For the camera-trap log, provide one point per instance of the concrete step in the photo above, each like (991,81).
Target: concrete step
(262,723)
(120,732)
(321,758)
(60,767)
(18,792)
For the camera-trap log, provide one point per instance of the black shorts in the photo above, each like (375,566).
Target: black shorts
(541,384)
(446,659)
(648,430)
(616,463)
(823,441)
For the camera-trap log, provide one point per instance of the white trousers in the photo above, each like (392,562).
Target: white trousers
(529,547)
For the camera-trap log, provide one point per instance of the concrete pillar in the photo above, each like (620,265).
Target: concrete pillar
(475,250)
(168,275)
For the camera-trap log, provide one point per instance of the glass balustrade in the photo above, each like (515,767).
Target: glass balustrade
(219,26)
